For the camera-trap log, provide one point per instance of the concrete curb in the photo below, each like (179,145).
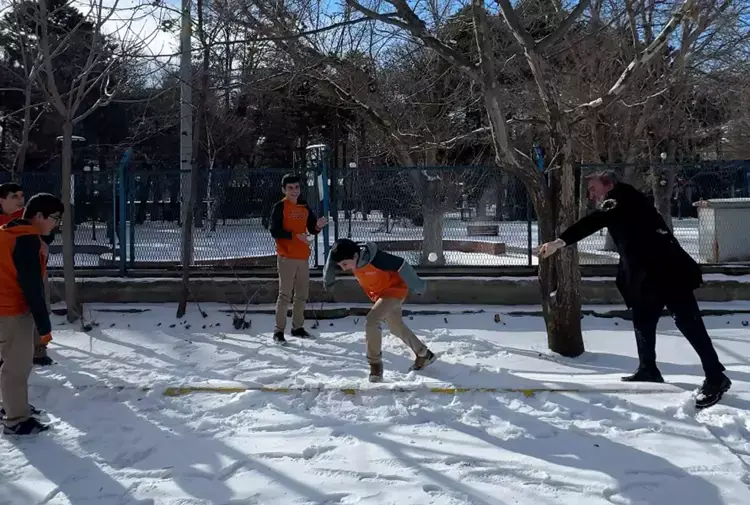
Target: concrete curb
(441,290)
(329,314)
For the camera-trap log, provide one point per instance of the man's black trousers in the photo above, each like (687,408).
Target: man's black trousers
(687,317)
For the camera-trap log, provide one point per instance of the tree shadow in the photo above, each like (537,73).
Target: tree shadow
(126,437)
(566,447)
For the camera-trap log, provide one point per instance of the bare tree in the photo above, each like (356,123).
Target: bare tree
(75,93)
(552,196)
(343,64)
(663,111)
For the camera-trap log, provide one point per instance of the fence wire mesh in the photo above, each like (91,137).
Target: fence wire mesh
(442,216)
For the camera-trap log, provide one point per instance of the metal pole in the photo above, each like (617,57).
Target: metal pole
(325,197)
(131,197)
(123,218)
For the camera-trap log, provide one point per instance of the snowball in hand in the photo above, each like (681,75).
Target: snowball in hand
(432,257)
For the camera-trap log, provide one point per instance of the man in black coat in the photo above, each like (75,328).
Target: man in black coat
(654,272)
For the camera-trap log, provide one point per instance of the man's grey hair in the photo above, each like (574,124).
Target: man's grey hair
(605,176)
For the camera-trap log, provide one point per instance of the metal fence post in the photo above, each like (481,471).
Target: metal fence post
(123,218)
(326,202)
(131,197)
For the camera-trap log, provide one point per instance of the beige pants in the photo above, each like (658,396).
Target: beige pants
(16,352)
(294,278)
(388,310)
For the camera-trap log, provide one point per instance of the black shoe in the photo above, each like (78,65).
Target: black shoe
(645,375)
(43,361)
(422,361)
(376,372)
(32,411)
(278,337)
(301,333)
(30,426)
(711,391)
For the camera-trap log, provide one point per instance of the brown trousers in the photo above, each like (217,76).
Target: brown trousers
(388,310)
(294,280)
(16,352)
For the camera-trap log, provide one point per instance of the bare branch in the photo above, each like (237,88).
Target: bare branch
(563,27)
(414,25)
(640,61)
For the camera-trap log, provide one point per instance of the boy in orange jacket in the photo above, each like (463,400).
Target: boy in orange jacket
(290,219)
(23,308)
(11,202)
(386,279)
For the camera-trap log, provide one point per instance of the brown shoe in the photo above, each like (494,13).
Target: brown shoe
(376,372)
(423,361)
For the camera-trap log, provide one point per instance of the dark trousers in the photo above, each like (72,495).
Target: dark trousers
(687,317)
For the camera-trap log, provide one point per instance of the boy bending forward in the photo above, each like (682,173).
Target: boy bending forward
(386,279)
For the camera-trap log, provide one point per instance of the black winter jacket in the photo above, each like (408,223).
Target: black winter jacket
(652,261)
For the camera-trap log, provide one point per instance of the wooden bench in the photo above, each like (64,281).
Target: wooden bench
(483,230)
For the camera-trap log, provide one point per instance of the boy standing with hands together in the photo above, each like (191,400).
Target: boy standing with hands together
(291,218)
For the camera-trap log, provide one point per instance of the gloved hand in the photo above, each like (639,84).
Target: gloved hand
(46,339)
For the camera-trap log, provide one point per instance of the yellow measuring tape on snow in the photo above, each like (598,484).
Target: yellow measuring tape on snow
(528,392)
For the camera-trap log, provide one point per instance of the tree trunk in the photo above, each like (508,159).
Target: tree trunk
(583,200)
(663,183)
(71,297)
(559,277)
(24,147)
(433,235)
(188,171)
(485,200)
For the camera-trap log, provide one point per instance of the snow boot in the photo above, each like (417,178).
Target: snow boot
(301,333)
(278,337)
(645,374)
(376,372)
(711,391)
(422,361)
(30,426)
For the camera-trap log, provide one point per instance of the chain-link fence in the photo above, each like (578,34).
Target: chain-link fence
(446,216)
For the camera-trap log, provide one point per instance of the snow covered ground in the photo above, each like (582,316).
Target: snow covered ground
(160,241)
(599,442)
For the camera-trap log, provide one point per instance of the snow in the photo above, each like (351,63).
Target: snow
(161,241)
(117,439)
